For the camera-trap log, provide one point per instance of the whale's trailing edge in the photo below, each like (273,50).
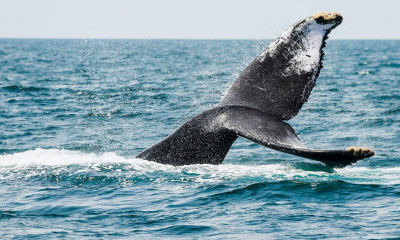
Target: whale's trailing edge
(271,89)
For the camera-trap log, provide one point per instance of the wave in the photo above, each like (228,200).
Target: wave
(16,88)
(42,162)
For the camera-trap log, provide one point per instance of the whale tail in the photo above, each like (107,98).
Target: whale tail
(271,89)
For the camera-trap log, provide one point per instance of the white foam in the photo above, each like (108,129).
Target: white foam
(55,160)
(56,157)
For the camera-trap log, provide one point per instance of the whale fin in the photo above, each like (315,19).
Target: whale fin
(276,134)
(279,81)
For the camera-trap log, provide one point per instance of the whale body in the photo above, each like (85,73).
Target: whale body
(270,90)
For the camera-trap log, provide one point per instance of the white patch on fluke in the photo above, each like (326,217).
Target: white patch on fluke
(307,58)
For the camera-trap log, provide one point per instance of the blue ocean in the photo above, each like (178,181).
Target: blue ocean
(75,113)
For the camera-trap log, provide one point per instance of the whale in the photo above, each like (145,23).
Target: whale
(271,90)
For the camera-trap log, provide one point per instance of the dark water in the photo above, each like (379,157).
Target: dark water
(74,113)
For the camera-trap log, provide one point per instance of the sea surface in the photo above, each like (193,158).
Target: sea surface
(74,113)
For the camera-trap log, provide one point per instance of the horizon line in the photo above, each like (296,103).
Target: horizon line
(212,39)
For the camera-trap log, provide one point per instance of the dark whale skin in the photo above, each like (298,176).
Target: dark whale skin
(271,89)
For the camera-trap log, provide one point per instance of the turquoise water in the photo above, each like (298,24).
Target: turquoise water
(74,113)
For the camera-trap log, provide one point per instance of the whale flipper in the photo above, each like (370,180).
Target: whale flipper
(273,88)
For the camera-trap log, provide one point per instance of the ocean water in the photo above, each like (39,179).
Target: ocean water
(74,113)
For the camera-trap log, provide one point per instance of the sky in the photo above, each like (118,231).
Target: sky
(191,19)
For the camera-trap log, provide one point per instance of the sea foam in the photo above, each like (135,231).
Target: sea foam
(56,159)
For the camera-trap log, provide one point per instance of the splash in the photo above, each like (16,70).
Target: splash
(46,161)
